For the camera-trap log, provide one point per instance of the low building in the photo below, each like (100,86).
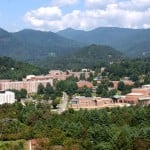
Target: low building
(146,86)
(93,103)
(83,83)
(58,74)
(7,97)
(89,102)
(132,98)
(126,82)
(145,100)
(138,95)
(144,91)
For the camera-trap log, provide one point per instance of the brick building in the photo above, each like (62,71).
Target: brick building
(30,83)
(83,83)
(126,82)
(139,95)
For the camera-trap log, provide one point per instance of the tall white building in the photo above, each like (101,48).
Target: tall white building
(7,97)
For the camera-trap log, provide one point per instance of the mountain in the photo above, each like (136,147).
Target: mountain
(133,42)
(87,57)
(32,45)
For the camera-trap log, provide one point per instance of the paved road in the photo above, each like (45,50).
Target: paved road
(63,104)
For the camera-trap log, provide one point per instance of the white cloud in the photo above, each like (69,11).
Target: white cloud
(96,13)
(97,4)
(138,5)
(42,16)
(62,3)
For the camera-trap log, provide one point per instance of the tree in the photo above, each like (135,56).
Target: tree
(49,89)
(82,76)
(70,87)
(41,89)
(123,141)
(121,86)
(87,92)
(55,102)
(147,79)
(102,90)
(23,93)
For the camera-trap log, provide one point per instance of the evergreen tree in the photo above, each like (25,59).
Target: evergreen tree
(41,89)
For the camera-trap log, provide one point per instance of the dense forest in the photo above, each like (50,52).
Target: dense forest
(132,42)
(33,45)
(105,129)
(138,70)
(92,56)
(11,69)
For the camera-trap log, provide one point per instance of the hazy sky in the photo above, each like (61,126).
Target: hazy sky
(56,15)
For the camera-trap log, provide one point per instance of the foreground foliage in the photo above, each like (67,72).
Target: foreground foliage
(13,145)
(105,129)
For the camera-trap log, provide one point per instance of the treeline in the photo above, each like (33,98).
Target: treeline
(137,70)
(11,69)
(106,129)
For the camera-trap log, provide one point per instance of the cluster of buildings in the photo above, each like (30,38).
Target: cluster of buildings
(93,103)
(137,96)
(31,82)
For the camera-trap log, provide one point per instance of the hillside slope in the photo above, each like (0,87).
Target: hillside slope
(15,70)
(31,45)
(86,57)
(133,42)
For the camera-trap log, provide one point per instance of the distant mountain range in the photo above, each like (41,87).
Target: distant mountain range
(132,42)
(34,46)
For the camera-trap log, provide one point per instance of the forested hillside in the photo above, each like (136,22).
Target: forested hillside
(32,45)
(133,42)
(11,69)
(87,57)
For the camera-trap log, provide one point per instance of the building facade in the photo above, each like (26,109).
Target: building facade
(7,97)
(30,85)
(138,95)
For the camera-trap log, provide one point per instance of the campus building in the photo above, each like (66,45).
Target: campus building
(139,95)
(82,102)
(30,83)
(7,97)
(126,82)
(83,83)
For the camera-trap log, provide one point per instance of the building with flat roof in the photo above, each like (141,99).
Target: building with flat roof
(146,86)
(132,98)
(137,95)
(7,97)
(145,100)
(89,102)
(82,102)
(30,83)
(83,83)
(126,82)
(144,91)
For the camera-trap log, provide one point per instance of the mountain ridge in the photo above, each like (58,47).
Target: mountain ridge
(29,45)
(126,40)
